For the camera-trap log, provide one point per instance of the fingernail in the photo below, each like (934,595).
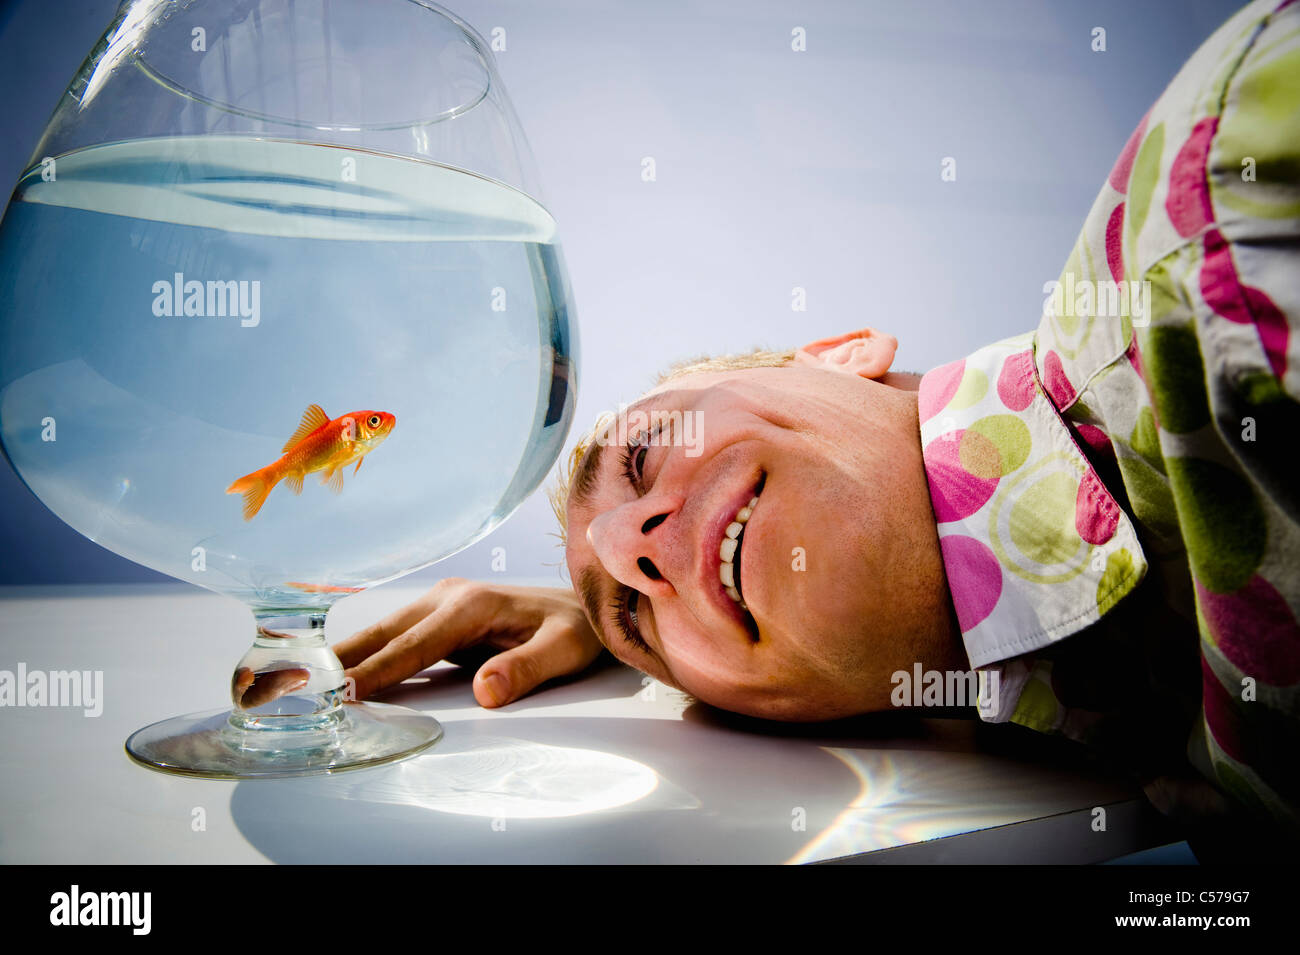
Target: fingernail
(498,687)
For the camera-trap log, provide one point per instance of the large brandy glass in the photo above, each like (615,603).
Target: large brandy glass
(282,314)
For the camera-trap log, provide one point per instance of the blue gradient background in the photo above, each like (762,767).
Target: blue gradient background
(775,169)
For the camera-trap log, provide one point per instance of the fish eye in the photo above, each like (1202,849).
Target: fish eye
(373,421)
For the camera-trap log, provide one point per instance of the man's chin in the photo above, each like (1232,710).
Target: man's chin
(799,710)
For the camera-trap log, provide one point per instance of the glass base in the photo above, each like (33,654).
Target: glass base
(211,745)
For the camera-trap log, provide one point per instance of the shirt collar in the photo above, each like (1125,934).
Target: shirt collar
(1034,545)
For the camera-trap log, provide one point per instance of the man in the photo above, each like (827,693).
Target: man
(1098,516)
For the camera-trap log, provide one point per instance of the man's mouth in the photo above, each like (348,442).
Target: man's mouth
(730,551)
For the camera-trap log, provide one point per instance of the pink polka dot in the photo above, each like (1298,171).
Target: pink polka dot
(1255,629)
(1221,717)
(974,578)
(1223,291)
(1135,358)
(937,388)
(954,491)
(1096,515)
(1188,204)
(1123,167)
(1095,438)
(1115,243)
(1058,386)
(1016,381)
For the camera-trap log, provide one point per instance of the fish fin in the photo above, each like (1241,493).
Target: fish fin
(358,467)
(255,487)
(336,481)
(294,482)
(313,418)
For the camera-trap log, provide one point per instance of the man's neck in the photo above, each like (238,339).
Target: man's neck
(902,380)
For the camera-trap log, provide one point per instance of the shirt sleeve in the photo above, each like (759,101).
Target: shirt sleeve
(1201,218)
(1222,368)
(1117,510)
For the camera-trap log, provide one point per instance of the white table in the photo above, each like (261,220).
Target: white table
(611,767)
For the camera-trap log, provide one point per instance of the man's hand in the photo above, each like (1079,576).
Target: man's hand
(541,631)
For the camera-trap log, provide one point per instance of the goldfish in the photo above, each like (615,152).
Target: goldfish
(319,444)
(323,588)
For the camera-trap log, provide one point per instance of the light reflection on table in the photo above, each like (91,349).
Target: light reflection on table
(597,769)
(511,779)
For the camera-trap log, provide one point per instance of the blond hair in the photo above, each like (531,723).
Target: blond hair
(758,358)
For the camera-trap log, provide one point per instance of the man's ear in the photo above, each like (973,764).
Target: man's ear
(866,352)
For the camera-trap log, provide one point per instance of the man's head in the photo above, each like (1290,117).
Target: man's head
(837,574)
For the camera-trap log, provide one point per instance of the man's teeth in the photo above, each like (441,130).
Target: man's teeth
(730,547)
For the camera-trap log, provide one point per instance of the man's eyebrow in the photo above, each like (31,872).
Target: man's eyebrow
(584,479)
(583,483)
(589,589)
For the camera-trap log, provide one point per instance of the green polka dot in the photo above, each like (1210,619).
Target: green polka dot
(1164,298)
(1145,440)
(1042,520)
(1036,707)
(1262,125)
(1209,100)
(1237,785)
(1176,377)
(979,456)
(1069,316)
(1150,497)
(974,385)
(1259,388)
(1009,435)
(1119,567)
(1142,182)
(1222,523)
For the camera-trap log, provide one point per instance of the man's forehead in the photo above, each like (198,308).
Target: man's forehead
(586,476)
(583,487)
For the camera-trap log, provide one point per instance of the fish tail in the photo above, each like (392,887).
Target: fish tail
(255,487)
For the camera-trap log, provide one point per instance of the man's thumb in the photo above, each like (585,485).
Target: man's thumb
(554,650)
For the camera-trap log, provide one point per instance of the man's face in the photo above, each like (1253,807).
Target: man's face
(836,565)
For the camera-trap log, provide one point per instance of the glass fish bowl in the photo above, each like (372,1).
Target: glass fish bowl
(283,315)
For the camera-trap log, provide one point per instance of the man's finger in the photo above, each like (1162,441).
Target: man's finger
(557,649)
(251,689)
(375,637)
(420,647)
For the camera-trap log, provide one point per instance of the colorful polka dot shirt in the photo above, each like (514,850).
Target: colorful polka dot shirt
(1116,493)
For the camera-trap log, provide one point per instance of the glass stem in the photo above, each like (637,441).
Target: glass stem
(290,679)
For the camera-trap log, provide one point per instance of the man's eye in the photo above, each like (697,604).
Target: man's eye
(634,456)
(625,618)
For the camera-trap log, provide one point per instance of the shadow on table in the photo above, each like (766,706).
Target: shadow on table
(710,786)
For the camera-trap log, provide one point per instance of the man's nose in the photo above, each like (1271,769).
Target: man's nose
(634,543)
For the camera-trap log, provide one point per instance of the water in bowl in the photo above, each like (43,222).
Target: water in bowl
(171,307)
